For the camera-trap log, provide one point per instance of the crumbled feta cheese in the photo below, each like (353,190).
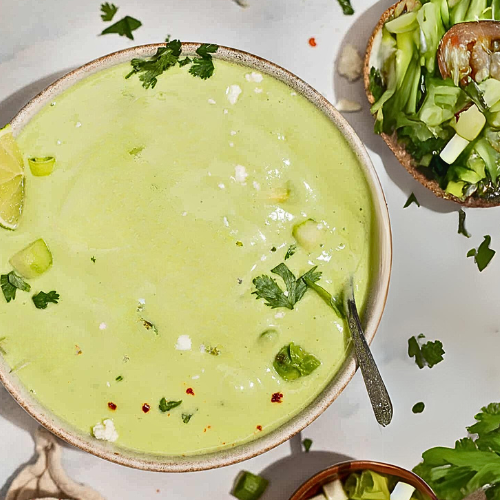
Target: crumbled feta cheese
(202,348)
(183,343)
(195,377)
(211,101)
(256,185)
(293,93)
(102,326)
(350,63)
(233,132)
(254,77)
(78,125)
(231,144)
(279,315)
(257,90)
(226,222)
(184,214)
(108,384)
(240,173)
(226,111)
(105,431)
(286,161)
(347,106)
(221,185)
(233,93)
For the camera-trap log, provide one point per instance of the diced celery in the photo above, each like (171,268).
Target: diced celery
(425,161)
(268,337)
(402,24)
(335,491)
(308,234)
(402,491)
(470,123)
(32,261)
(490,157)
(41,167)
(453,149)
(455,188)
(279,194)
(491,92)
(249,486)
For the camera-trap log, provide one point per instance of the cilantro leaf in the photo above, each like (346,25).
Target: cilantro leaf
(204,68)
(412,199)
(428,354)
(307,443)
(186,417)
(461,224)
(205,49)
(418,407)
(346,7)
(293,362)
(10,283)
(376,84)
(336,303)
(268,289)
(124,27)
(183,62)
(168,405)
(42,299)
(150,69)
(291,250)
(483,255)
(108,11)
(119,378)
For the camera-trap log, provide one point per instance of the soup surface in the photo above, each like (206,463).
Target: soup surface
(164,205)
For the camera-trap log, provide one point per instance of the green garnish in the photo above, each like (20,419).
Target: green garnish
(42,299)
(336,303)
(461,224)
(124,27)
(186,417)
(43,166)
(214,351)
(472,464)
(410,200)
(92,259)
(119,378)
(307,443)
(108,11)
(428,354)
(346,7)
(204,67)
(293,362)
(270,291)
(136,151)
(367,485)
(10,283)
(249,486)
(483,255)
(376,84)
(291,250)
(183,62)
(418,407)
(168,405)
(149,326)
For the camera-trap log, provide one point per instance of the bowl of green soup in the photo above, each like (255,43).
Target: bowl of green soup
(164,209)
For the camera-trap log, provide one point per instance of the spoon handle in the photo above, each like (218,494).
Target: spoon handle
(379,397)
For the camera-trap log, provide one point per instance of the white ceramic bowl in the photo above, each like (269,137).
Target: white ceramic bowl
(373,312)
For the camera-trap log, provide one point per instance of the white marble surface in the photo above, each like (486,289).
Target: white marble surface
(435,289)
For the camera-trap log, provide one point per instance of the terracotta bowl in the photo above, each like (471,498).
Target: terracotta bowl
(341,471)
(372,314)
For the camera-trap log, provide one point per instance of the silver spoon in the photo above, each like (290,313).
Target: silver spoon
(377,392)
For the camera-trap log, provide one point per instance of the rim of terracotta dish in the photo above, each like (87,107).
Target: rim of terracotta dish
(340,471)
(373,309)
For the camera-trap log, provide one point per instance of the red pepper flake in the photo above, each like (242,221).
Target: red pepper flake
(276,397)
(190,391)
(112,406)
(145,407)
(259,427)
(312,42)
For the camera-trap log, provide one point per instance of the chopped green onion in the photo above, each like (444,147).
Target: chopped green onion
(41,167)
(249,486)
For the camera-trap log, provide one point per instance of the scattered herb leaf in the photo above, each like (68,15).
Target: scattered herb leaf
(42,299)
(428,354)
(10,283)
(483,255)
(119,378)
(307,443)
(168,405)
(461,224)
(136,151)
(167,38)
(205,49)
(124,27)
(336,303)
(186,417)
(92,259)
(149,326)
(418,407)
(108,11)
(268,289)
(202,67)
(291,250)
(18,282)
(214,351)
(410,200)
(346,7)
(183,62)
(376,84)
(293,362)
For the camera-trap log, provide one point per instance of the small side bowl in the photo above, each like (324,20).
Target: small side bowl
(341,471)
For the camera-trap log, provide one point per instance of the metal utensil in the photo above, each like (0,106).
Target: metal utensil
(379,397)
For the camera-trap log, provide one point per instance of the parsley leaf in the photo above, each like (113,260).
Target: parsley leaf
(346,7)
(10,283)
(376,84)
(418,407)
(291,250)
(151,68)
(271,292)
(307,443)
(108,11)
(293,362)
(483,255)
(124,27)
(186,417)
(461,224)
(411,199)
(42,299)
(168,405)
(204,68)
(428,354)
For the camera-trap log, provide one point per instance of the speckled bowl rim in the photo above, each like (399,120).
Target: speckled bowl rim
(373,311)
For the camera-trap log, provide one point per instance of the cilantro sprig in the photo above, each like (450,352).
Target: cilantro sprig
(10,283)
(461,224)
(425,354)
(108,11)
(483,254)
(204,66)
(123,27)
(411,199)
(165,405)
(268,289)
(42,299)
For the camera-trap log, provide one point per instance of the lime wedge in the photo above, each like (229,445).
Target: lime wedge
(11,180)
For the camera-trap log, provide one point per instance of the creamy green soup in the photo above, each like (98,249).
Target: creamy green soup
(163,207)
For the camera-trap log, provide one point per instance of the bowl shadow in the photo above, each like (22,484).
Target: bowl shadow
(362,121)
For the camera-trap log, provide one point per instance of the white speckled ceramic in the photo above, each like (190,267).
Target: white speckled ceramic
(372,315)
